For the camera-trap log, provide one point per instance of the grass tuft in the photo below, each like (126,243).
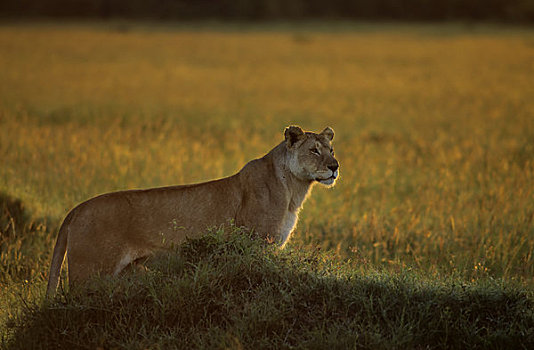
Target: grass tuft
(21,241)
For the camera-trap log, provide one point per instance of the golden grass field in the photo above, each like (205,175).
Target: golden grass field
(434,129)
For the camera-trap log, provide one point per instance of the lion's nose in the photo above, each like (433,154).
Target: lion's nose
(333,167)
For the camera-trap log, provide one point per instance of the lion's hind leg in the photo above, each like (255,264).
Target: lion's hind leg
(88,262)
(138,265)
(127,259)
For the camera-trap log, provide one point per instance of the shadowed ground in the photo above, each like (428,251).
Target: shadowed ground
(220,292)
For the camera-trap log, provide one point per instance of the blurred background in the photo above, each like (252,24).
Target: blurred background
(426,10)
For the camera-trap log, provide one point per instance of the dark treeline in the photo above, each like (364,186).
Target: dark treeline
(486,10)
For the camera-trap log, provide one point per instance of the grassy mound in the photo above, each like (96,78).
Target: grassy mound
(235,292)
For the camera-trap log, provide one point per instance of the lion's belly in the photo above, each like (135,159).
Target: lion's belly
(168,216)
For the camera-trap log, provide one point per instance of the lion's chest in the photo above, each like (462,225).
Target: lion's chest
(290,219)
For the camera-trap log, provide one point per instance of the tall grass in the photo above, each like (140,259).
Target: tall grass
(434,133)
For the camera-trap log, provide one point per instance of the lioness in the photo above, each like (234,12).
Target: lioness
(110,231)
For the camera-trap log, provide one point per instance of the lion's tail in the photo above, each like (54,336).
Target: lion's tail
(58,256)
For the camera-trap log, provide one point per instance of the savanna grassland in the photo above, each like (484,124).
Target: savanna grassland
(434,132)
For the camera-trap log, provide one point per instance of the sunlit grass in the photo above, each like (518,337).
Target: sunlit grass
(434,130)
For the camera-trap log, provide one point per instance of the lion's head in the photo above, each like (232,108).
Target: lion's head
(311,156)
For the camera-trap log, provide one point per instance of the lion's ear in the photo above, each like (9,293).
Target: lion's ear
(328,132)
(293,134)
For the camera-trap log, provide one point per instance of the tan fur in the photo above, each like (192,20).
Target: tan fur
(108,232)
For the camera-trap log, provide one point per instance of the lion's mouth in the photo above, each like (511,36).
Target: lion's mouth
(329,180)
(318,179)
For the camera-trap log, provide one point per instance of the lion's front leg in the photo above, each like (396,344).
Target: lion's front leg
(266,224)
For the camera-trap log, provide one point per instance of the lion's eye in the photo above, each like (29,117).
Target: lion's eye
(315,151)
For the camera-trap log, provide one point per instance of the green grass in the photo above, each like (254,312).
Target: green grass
(434,133)
(236,292)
